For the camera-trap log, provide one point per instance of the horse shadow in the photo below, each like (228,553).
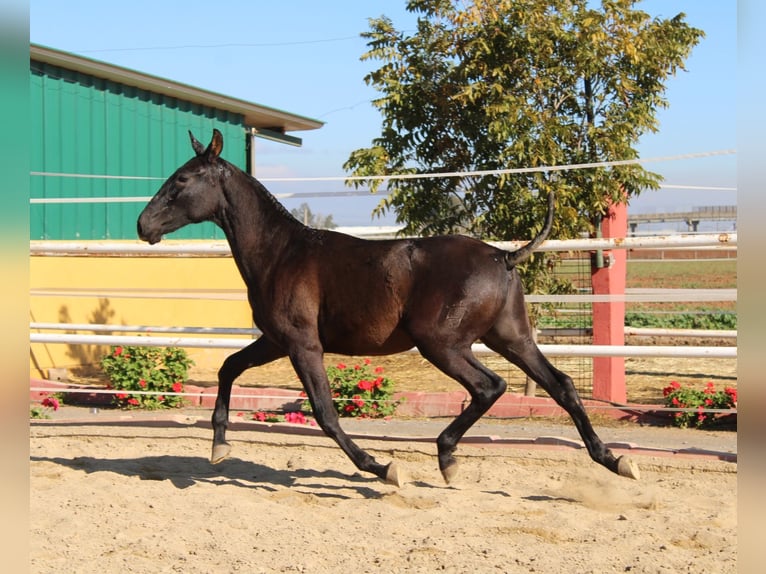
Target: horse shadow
(186,471)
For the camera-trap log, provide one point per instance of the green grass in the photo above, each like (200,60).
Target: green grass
(658,274)
(683,274)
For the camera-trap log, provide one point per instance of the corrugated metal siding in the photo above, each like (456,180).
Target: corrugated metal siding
(86,125)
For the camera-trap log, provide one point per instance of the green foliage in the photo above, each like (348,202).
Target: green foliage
(678,397)
(147,369)
(361,391)
(516,84)
(712,320)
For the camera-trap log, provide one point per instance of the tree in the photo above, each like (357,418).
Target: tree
(304,214)
(504,84)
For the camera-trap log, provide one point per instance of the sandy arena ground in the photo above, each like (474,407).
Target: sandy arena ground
(143,498)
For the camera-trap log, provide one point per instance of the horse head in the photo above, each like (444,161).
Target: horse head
(191,195)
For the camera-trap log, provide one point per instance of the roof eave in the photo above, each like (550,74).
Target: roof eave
(255,115)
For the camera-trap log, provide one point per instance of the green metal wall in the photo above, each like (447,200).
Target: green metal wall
(89,126)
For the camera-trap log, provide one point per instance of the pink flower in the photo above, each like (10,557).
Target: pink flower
(297,418)
(51,402)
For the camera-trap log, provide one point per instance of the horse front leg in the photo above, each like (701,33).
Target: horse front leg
(310,369)
(260,352)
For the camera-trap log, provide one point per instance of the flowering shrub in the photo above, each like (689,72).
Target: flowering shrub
(161,370)
(42,410)
(297,418)
(360,391)
(680,397)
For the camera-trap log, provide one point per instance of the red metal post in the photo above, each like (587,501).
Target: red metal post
(608,277)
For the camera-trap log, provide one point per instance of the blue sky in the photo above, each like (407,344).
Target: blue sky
(303,57)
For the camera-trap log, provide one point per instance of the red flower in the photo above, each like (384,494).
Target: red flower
(365,385)
(377,383)
(177,387)
(51,402)
(674,386)
(117,351)
(367,361)
(709,389)
(349,408)
(357,400)
(122,396)
(161,398)
(133,402)
(378,370)
(341,366)
(142,383)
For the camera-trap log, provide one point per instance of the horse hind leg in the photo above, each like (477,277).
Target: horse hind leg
(528,357)
(484,386)
(260,352)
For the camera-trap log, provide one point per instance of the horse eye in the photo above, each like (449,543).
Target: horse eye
(182,178)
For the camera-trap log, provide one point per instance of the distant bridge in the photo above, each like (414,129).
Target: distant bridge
(691,218)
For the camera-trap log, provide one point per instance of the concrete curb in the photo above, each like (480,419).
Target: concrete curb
(415,404)
(164,419)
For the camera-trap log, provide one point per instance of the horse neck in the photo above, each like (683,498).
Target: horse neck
(257,227)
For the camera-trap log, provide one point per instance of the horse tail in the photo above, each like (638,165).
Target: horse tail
(513,258)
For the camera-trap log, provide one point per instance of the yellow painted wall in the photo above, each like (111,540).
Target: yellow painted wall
(132,291)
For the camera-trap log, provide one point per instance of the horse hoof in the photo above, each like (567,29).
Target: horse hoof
(220,452)
(627,468)
(450,472)
(392,475)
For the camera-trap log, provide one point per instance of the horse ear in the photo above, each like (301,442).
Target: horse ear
(216,145)
(199,149)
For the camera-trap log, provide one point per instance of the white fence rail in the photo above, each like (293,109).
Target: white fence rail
(232,343)
(221,249)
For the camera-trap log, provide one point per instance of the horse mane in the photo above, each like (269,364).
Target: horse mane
(264,193)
